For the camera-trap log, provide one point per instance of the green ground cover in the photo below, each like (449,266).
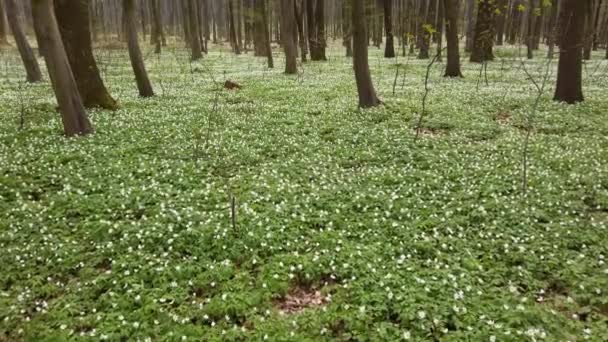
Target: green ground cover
(345,227)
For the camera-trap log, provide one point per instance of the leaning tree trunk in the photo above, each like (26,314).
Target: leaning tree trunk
(484,32)
(73,18)
(73,114)
(365,87)
(3,33)
(452,8)
(569,87)
(195,42)
(288,34)
(27,55)
(389,49)
(137,62)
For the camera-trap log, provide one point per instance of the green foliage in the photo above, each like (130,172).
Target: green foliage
(127,234)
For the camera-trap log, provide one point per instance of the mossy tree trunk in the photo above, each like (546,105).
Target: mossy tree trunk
(483,42)
(73,18)
(73,114)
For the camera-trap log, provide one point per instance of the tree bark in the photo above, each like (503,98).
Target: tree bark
(347,34)
(233,36)
(452,8)
(470,20)
(316,29)
(137,63)
(531,27)
(157,26)
(30,62)
(299,12)
(288,34)
(553,28)
(73,114)
(365,87)
(389,49)
(73,18)
(3,27)
(195,42)
(501,20)
(569,87)
(484,32)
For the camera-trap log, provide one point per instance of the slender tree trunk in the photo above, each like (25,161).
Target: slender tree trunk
(141,75)
(470,20)
(288,33)
(569,87)
(73,114)
(484,32)
(233,36)
(452,8)
(73,18)
(30,62)
(3,27)
(365,87)
(589,31)
(553,27)
(440,26)
(316,27)
(424,36)
(195,42)
(531,28)
(389,49)
(347,34)
(501,20)
(157,26)
(299,11)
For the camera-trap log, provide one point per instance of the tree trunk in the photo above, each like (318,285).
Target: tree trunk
(262,32)
(195,42)
(470,20)
(73,18)
(288,33)
(347,40)
(299,12)
(365,87)
(233,36)
(3,30)
(501,20)
(553,28)
(484,32)
(452,8)
(27,55)
(157,26)
(316,29)
(137,62)
(569,87)
(424,36)
(73,114)
(389,49)
(531,27)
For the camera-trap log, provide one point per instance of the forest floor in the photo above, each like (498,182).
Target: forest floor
(345,227)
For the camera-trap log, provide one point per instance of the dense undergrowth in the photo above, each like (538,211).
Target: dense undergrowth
(129,233)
